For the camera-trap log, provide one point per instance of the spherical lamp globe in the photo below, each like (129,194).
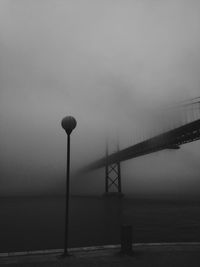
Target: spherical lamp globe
(68,123)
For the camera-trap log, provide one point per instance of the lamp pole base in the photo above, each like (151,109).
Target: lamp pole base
(65,255)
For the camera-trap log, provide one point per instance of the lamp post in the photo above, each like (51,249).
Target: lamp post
(68,124)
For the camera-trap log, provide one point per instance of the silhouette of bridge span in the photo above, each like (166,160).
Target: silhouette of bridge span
(168,140)
(187,130)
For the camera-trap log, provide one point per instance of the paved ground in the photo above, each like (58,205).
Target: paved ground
(143,255)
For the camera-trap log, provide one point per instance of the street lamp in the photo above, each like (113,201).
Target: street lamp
(68,123)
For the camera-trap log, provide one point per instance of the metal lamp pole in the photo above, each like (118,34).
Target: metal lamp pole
(68,123)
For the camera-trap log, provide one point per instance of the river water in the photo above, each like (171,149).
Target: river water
(35,223)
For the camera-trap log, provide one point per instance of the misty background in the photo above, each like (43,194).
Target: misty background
(110,64)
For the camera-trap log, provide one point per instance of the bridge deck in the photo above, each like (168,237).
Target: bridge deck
(169,140)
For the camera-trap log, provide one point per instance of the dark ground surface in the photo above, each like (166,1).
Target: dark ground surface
(38,223)
(165,256)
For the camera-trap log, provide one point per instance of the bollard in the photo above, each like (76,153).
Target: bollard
(126,239)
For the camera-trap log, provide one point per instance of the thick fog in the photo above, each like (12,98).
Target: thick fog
(107,63)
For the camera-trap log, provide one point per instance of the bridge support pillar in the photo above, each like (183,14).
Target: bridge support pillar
(112,177)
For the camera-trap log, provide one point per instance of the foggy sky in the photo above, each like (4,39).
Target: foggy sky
(107,63)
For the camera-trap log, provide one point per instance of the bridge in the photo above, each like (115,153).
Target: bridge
(182,129)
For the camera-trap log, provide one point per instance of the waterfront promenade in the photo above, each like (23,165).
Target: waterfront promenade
(152,255)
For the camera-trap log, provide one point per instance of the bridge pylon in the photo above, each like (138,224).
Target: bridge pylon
(113,186)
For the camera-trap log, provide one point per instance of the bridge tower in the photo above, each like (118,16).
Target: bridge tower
(112,176)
